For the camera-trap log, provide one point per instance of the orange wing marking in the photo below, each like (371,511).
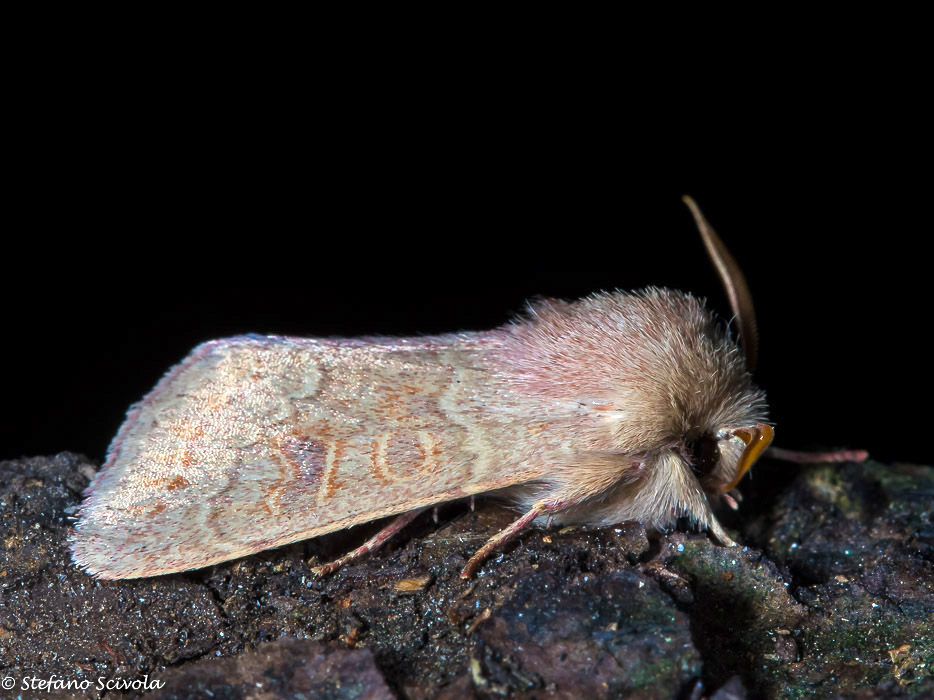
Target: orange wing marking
(333,460)
(378,458)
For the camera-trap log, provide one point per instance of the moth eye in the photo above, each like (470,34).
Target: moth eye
(703,455)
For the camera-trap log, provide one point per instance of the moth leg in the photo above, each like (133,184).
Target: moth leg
(505,535)
(732,499)
(803,457)
(719,534)
(371,545)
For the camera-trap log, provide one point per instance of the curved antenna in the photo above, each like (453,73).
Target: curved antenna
(733,282)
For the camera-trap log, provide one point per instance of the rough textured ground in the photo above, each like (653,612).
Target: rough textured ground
(833,596)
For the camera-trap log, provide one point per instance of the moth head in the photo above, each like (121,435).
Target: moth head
(719,459)
(653,375)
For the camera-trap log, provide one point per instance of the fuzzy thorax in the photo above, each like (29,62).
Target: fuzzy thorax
(633,384)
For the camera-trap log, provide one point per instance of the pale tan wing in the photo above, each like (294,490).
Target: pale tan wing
(255,442)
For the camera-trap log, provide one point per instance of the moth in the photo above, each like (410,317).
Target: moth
(619,406)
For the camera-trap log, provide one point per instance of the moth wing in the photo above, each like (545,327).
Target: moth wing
(255,442)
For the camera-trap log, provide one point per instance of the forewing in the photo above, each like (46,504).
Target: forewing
(255,442)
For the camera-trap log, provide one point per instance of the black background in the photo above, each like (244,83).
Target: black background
(139,229)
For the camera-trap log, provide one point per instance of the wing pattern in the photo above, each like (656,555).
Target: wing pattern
(254,442)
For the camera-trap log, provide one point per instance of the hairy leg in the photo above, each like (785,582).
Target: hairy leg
(719,534)
(506,534)
(371,545)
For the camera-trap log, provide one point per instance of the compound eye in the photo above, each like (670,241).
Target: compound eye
(703,455)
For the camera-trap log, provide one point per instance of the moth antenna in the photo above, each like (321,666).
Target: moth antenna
(800,457)
(733,282)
